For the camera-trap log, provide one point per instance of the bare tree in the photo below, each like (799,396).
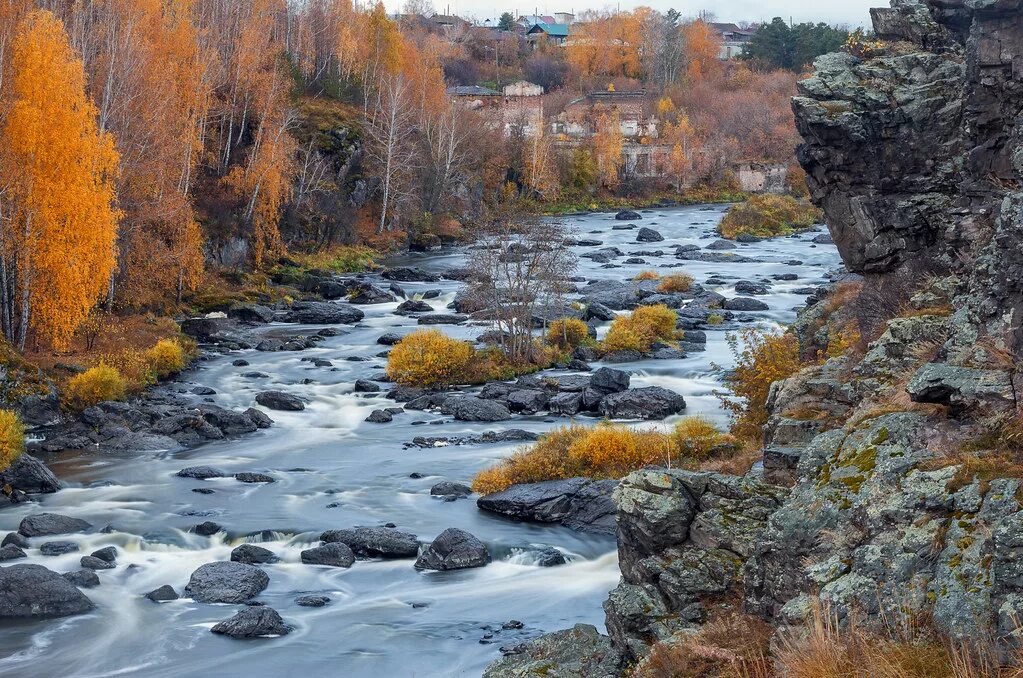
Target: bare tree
(446,134)
(392,149)
(520,267)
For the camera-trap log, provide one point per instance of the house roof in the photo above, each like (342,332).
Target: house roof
(472,91)
(731,28)
(554,30)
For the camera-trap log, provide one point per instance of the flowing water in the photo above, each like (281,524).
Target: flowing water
(334,470)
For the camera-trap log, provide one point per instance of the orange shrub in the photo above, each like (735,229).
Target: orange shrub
(429,358)
(603,451)
(647,275)
(640,330)
(760,360)
(95,385)
(673,284)
(12,438)
(768,215)
(567,333)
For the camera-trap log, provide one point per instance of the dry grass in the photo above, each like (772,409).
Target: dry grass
(675,284)
(647,275)
(606,451)
(731,645)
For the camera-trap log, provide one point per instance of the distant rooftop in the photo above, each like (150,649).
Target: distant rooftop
(554,30)
(472,91)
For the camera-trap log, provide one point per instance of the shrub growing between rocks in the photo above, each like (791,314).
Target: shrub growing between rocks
(12,438)
(429,358)
(760,360)
(567,333)
(647,275)
(768,215)
(605,451)
(638,331)
(93,386)
(676,283)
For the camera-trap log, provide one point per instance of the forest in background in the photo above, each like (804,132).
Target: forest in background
(154,150)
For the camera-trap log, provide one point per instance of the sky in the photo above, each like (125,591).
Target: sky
(850,12)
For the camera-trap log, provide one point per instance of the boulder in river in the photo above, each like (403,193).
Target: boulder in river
(201,472)
(28,474)
(471,408)
(648,235)
(446,488)
(442,319)
(609,380)
(162,594)
(453,549)
(94,563)
(83,579)
(253,555)
(43,524)
(279,400)
(250,477)
(58,548)
(628,215)
(375,542)
(323,313)
(258,621)
(744,304)
(409,274)
(312,601)
(413,306)
(578,503)
(11,552)
(107,553)
(379,417)
(226,582)
(34,592)
(334,554)
(650,402)
(207,528)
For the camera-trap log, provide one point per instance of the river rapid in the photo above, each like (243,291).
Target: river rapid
(334,470)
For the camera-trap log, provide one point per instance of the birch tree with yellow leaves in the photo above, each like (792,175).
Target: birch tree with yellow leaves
(58,221)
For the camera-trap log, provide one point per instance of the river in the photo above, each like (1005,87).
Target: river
(334,470)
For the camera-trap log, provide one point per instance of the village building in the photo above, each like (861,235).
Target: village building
(580,116)
(552,33)
(733,39)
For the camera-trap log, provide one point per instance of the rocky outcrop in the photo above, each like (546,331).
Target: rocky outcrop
(579,652)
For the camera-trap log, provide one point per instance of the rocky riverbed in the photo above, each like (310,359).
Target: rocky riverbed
(283,490)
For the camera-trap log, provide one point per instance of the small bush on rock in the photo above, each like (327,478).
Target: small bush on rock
(675,284)
(95,385)
(647,275)
(768,215)
(12,438)
(760,360)
(567,333)
(637,332)
(429,358)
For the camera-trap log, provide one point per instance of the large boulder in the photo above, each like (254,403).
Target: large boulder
(628,215)
(34,592)
(279,400)
(579,503)
(650,402)
(648,235)
(609,380)
(253,622)
(453,549)
(323,313)
(28,474)
(578,652)
(226,582)
(45,524)
(375,542)
(471,408)
(962,387)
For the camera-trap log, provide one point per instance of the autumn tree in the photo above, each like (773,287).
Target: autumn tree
(58,223)
(606,44)
(608,143)
(391,149)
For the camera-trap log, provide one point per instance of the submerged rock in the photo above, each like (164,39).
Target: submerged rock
(334,554)
(453,549)
(34,592)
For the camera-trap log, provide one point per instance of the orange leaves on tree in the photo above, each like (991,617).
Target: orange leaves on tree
(57,247)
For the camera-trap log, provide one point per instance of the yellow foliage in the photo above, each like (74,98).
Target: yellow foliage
(604,451)
(647,275)
(95,385)
(429,358)
(61,172)
(166,358)
(768,215)
(12,438)
(638,331)
(760,360)
(673,284)
(567,333)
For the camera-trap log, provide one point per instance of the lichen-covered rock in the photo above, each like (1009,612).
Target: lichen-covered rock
(579,652)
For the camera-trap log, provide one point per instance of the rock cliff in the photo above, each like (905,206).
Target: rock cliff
(891,477)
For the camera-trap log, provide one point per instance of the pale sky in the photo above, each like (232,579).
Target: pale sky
(851,12)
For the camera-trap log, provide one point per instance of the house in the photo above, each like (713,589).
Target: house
(552,32)
(565,18)
(580,116)
(523,89)
(448,25)
(530,20)
(733,38)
